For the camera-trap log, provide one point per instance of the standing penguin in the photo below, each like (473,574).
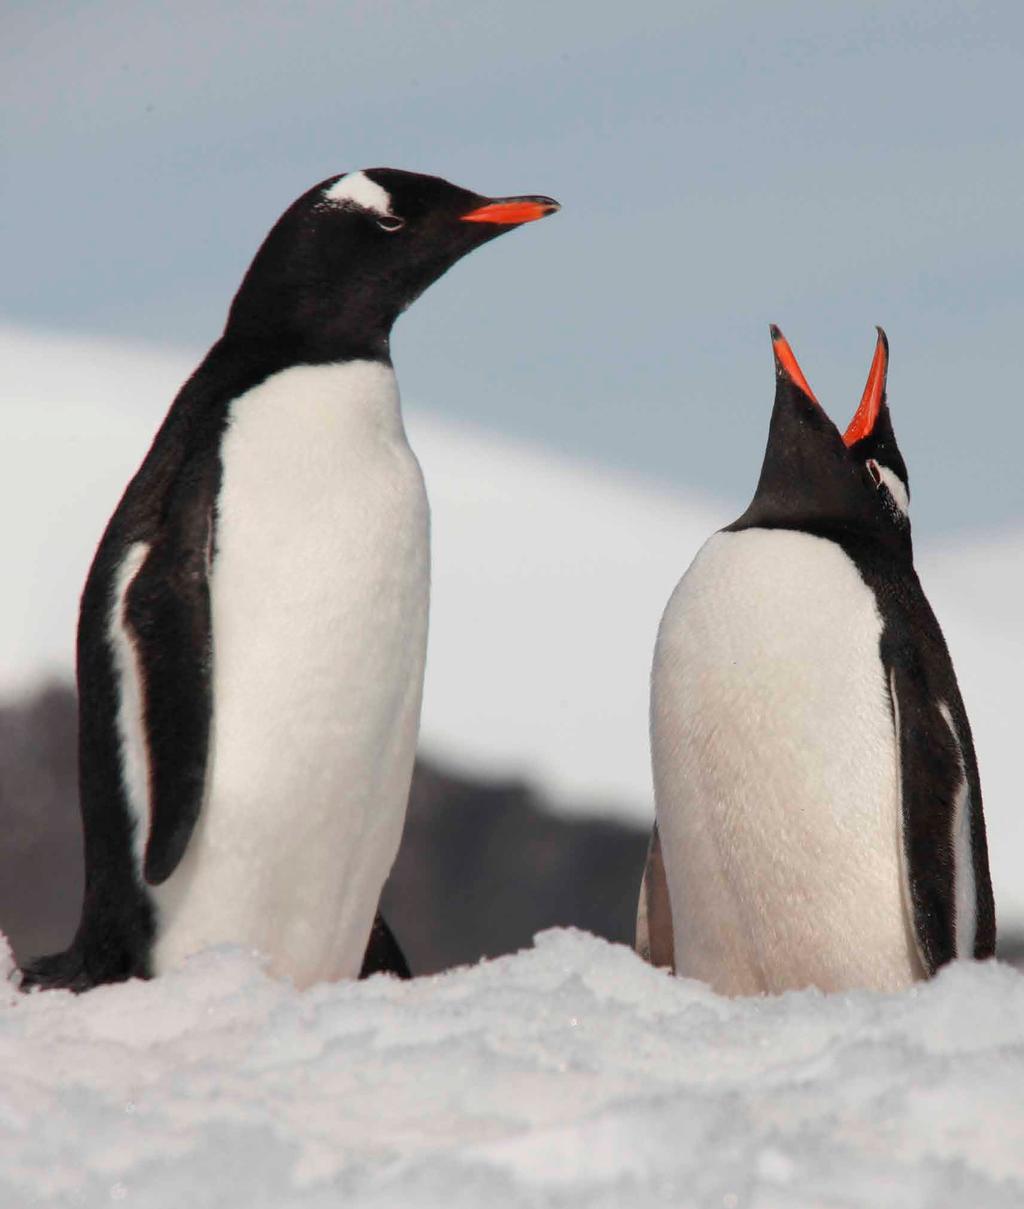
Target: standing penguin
(253,629)
(819,816)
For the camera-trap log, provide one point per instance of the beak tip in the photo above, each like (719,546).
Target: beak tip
(787,369)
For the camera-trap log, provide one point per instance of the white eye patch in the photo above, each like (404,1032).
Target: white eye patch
(356,189)
(882,474)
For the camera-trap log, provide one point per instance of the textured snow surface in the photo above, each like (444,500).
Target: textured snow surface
(570,1074)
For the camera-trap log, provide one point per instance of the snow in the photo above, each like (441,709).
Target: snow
(549,579)
(570,1074)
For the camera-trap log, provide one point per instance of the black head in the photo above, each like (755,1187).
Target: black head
(816,480)
(352,253)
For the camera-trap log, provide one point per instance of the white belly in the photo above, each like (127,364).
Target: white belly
(775,771)
(320,587)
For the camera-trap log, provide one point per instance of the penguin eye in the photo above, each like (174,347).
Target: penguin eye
(391,222)
(875,473)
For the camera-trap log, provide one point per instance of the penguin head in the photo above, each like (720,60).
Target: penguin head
(344,260)
(816,479)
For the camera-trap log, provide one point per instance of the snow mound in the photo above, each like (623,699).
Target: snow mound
(571,1074)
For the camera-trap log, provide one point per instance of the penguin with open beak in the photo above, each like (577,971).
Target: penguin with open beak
(819,813)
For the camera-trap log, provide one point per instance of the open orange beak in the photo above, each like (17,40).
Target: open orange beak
(511,211)
(863,422)
(786,364)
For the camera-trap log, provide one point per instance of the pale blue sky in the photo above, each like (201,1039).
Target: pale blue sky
(824,166)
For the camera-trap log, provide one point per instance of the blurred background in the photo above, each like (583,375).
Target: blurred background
(589,396)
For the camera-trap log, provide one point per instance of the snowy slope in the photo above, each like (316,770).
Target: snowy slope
(549,580)
(568,1075)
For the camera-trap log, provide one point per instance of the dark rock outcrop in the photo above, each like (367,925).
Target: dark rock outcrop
(482,866)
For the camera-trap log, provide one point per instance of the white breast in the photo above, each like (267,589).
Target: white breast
(775,771)
(320,587)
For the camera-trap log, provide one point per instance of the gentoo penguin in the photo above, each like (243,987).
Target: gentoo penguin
(819,817)
(253,629)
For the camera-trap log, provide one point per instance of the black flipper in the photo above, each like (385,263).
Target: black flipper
(655,936)
(383,956)
(167,613)
(941,814)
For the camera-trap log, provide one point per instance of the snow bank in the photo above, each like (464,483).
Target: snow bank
(568,1075)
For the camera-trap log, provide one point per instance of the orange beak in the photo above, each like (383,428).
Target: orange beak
(511,211)
(864,417)
(786,363)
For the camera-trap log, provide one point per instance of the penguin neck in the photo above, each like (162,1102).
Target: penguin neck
(355,402)
(310,314)
(330,341)
(239,362)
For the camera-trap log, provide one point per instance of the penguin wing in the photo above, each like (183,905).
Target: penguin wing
(945,864)
(655,939)
(167,612)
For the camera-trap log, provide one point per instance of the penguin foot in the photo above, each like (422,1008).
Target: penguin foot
(56,971)
(383,954)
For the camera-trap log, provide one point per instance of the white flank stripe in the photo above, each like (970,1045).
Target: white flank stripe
(130,724)
(966,899)
(358,190)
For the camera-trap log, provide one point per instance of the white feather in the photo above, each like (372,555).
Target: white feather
(965,890)
(775,771)
(320,587)
(356,189)
(896,488)
(131,729)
